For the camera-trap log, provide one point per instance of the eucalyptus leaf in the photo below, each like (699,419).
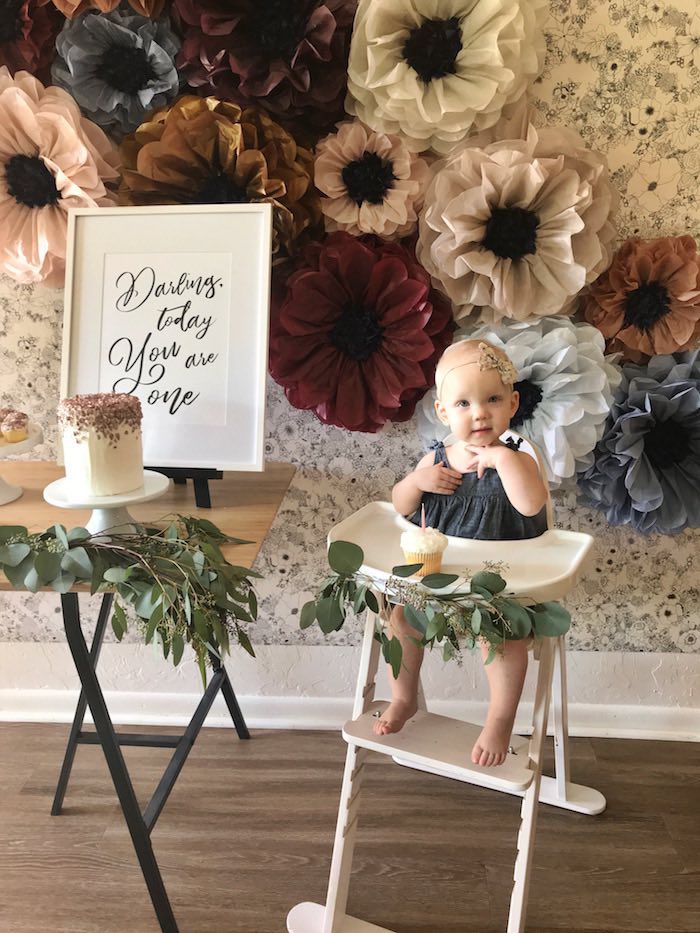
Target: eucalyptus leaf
(119,623)
(77,534)
(47,566)
(345,557)
(415,618)
(405,570)
(116,574)
(438,581)
(178,645)
(61,536)
(490,581)
(77,561)
(476,621)
(11,555)
(551,619)
(308,614)
(371,601)
(329,614)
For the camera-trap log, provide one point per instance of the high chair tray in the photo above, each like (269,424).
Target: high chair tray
(545,568)
(439,742)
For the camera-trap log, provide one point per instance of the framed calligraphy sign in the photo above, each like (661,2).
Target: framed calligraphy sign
(172,304)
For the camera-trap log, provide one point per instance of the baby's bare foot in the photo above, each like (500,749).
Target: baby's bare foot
(491,748)
(395,716)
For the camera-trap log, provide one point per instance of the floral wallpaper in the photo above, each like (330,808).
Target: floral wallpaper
(623,76)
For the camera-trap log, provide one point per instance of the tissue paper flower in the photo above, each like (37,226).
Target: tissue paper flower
(372,183)
(207,151)
(357,332)
(434,71)
(117,66)
(71,8)
(28,30)
(51,159)
(516,228)
(647,464)
(648,301)
(566,389)
(288,57)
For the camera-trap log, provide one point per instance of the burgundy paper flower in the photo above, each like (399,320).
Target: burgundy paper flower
(288,57)
(28,30)
(357,332)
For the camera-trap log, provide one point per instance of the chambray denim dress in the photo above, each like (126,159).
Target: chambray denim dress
(478,508)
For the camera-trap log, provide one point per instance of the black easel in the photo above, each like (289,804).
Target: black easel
(140,824)
(200,480)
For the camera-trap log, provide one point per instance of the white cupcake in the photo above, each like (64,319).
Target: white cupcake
(424,546)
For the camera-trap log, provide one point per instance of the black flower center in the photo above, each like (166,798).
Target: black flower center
(278,27)
(666,444)
(357,333)
(530,398)
(10,20)
(220,189)
(646,305)
(368,178)
(30,182)
(511,232)
(432,48)
(125,68)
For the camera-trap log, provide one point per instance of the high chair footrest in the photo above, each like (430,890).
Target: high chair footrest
(308,918)
(438,743)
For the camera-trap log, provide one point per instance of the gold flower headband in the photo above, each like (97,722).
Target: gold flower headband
(488,359)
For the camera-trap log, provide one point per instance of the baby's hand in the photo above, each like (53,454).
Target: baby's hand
(438,478)
(485,457)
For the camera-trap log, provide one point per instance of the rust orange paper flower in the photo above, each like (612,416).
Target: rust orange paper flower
(648,301)
(207,151)
(71,8)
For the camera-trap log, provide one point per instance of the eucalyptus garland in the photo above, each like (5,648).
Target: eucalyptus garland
(174,576)
(456,617)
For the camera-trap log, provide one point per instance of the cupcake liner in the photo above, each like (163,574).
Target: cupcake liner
(432,561)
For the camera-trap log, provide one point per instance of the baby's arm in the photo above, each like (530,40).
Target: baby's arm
(427,477)
(521,480)
(519,474)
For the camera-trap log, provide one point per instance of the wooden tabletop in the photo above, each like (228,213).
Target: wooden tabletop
(243,504)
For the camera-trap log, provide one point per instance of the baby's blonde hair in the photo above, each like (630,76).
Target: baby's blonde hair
(464,352)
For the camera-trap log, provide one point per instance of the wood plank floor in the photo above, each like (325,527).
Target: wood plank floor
(248,832)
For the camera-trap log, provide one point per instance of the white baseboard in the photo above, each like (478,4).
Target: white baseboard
(679,724)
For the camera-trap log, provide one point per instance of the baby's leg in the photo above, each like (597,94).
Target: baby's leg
(506,676)
(404,689)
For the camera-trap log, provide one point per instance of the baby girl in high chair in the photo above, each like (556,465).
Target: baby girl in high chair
(480,488)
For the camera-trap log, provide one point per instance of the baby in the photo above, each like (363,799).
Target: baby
(478,487)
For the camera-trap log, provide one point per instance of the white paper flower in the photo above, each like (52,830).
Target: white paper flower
(436,70)
(566,387)
(517,227)
(372,183)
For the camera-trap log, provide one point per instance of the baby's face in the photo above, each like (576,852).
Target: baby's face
(476,405)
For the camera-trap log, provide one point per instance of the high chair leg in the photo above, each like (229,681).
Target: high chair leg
(561,719)
(528,810)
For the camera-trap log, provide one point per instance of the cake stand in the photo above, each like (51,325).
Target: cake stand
(8,492)
(108,512)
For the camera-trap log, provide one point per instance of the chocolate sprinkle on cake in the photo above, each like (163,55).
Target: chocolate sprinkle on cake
(107,413)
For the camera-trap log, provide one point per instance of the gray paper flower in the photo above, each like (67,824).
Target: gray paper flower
(117,66)
(647,464)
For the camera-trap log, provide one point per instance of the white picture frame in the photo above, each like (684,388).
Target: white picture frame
(171,303)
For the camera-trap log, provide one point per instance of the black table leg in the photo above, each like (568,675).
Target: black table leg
(140,835)
(82,705)
(140,825)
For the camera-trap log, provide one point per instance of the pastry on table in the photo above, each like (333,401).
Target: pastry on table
(14,427)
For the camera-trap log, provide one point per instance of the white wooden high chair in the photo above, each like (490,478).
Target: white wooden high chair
(545,568)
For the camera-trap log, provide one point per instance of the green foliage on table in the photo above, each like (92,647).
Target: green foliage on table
(174,576)
(452,616)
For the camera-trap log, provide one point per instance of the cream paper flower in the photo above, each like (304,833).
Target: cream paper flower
(436,70)
(372,183)
(566,386)
(517,227)
(51,159)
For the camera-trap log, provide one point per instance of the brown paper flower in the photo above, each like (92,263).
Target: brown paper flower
(28,30)
(207,151)
(70,8)
(648,301)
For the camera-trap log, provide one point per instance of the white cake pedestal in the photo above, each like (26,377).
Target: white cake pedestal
(9,492)
(108,512)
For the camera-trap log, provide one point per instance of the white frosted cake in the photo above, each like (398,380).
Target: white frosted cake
(102,443)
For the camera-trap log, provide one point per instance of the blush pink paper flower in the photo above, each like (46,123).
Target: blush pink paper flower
(372,183)
(51,159)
